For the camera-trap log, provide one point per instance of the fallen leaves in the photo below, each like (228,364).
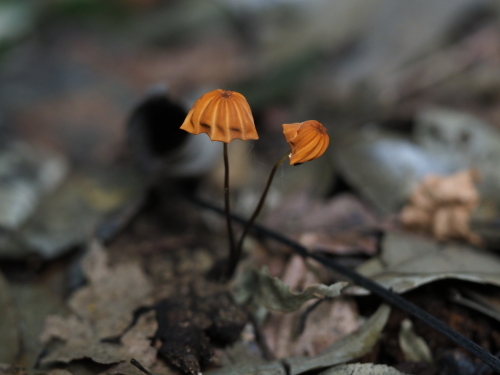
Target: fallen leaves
(409,261)
(346,349)
(80,342)
(112,295)
(335,225)
(274,294)
(442,205)
(304,316)
(104,309)
(327,323)
(361,369)
(17,370)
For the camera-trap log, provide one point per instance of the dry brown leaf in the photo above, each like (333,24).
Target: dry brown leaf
(111,296)
(104,308)
(65,329)
(297,274)
(339,244)
(443,205)
(6,369)
(329,321)
(81,341)
(136,342)
(334,225)
(59,371)
(326,324)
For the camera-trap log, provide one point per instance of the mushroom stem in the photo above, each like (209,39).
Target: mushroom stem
(232,252)
(233,261)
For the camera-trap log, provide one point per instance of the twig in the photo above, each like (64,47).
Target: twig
(136,363)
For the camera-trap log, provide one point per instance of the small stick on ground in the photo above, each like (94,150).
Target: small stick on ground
(136,363)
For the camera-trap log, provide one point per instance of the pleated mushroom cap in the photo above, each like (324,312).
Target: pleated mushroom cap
(223,115)
(308,140)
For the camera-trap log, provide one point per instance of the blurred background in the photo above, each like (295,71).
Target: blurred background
(92,93)
(405,89)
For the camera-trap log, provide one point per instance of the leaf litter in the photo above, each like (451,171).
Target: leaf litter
(312,238)
(316,306)
(361,369)
(408,261)
(443,206)
(103,309)
(275,295)
(346,349)
(339,225)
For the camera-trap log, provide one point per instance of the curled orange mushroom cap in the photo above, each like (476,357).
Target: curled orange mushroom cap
(223,115)
(308,140)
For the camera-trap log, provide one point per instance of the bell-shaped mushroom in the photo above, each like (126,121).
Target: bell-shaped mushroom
(308,140)
(223,115)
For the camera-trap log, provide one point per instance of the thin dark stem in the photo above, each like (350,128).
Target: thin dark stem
(234,261)
(232,252)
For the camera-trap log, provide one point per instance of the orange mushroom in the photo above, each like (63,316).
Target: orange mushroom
(223,115)
(308,140)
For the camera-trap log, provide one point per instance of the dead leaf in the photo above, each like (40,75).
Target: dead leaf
(409,261)
(65,328)
(346,349)
(479,300)
(34,302)
(326,324)
(112,294)
(300,272)
(15,370)
(126,368)
(275,295)
(361,369)
(104,309)
(334,225)
(81,341)
(443,205)
(339,243)
(136,341)
(270,368)
(311,328)
(414,347)
(464,141)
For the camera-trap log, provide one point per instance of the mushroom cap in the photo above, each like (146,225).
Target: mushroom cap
(223,115)
(308,140)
